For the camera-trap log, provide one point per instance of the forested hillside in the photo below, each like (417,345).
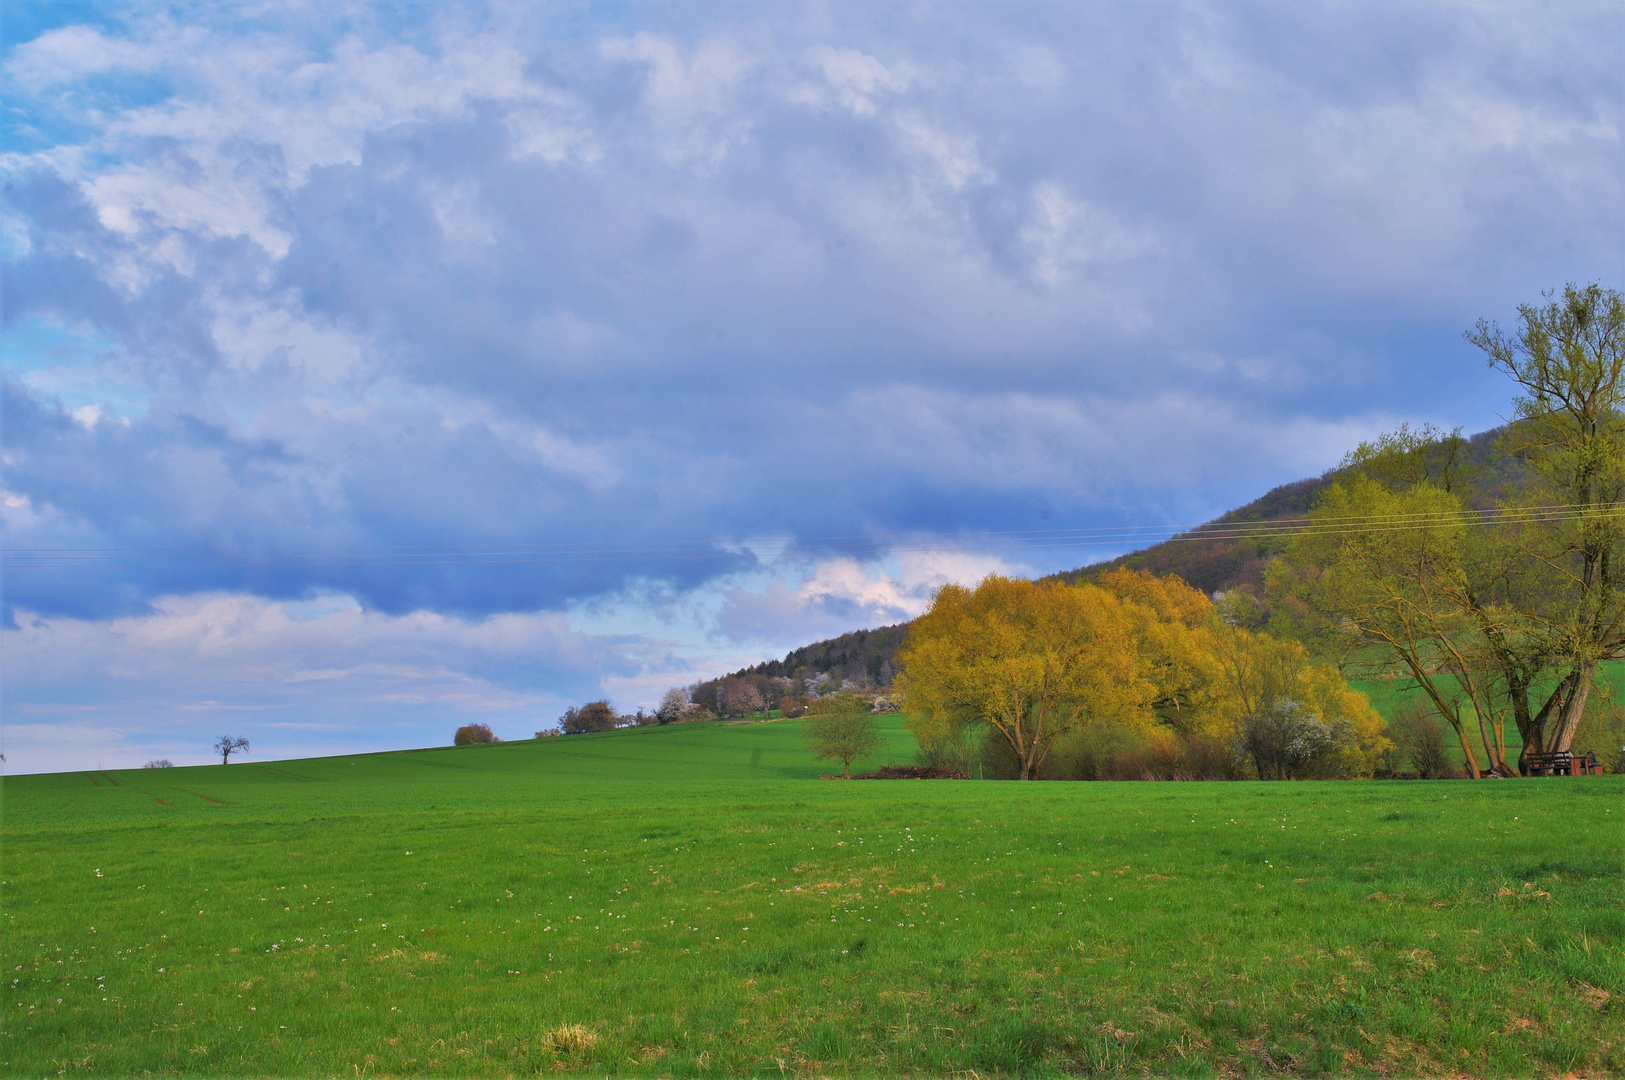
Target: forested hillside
(1230,561)
(863,657)
(1211,557)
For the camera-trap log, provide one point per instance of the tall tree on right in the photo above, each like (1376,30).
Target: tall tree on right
(1567,356)
(1498,607)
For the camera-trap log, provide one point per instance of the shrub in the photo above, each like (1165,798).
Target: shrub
(1286,741)
(911,772)
(1421,740)
(1106,750)
(474,734)
(159,763)
(1602,732)
(674,706)
(593,716)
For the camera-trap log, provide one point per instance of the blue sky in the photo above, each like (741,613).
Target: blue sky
(546,346)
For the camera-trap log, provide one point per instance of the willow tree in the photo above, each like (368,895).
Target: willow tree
(1029,660)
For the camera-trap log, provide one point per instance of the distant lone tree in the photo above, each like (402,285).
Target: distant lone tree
(593,716)
(473,734)
(841,727)
(227,746)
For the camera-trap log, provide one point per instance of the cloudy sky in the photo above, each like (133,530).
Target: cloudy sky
(370,370)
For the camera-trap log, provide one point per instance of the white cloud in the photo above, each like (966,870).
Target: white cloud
(690,94)
(851,79)
(844,594)
(73,53)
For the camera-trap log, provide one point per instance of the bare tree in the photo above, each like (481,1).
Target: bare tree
(228,746)
(159,763)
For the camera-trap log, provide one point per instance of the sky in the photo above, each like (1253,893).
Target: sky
(369,370)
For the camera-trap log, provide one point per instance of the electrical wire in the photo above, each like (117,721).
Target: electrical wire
(769,548)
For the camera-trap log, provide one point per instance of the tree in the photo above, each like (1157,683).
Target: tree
(1030,660)
(159,763)
(744,698)
(1386,575)
(1026,663)
(1286,741)
(593,716)
(1420,738)
(1568,359)
(1173,627)
(474,735)
(227,746)
(1498,616)
(841,728)
(674,705)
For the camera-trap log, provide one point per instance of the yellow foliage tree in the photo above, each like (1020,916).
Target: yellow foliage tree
(1174,627)
(1035,660)
(1032,660)
(1257,671)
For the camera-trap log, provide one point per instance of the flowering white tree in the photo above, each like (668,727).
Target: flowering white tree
(674,704)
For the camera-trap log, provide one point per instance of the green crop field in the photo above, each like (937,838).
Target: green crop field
(692,900)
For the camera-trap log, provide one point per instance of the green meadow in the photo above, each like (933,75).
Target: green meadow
(694,901)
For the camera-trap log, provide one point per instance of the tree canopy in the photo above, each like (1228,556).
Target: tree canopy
(1034,661)
(1498,605)
(841,727)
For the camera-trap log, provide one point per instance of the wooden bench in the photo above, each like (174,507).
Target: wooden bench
(1562,764)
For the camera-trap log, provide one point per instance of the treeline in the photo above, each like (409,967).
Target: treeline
(862,658)
(864,661)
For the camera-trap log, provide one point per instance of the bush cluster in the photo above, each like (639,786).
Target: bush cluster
(474,735)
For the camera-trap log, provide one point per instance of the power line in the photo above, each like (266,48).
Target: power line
(766,548)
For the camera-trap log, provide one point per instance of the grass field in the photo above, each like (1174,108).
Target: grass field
(693,901)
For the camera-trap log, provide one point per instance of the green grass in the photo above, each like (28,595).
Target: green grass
(703,905)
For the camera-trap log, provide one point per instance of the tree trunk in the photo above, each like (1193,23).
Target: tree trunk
(1573,708)
(1518,690)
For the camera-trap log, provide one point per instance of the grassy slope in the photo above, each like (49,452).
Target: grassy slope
(691,898)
